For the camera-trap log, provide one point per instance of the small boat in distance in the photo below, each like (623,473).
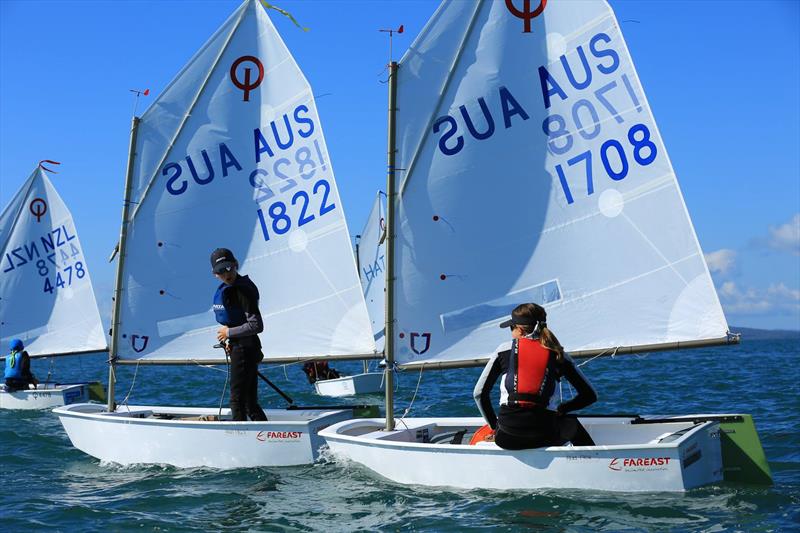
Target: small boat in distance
(48,301)
(371,264)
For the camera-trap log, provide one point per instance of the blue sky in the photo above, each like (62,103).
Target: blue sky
(723,79)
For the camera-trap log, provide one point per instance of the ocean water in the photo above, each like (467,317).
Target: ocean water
(47,484)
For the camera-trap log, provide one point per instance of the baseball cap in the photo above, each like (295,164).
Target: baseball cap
(222,260)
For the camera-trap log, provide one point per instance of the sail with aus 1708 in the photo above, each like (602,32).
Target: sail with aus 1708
(47,297)
(534,172)
(232,155)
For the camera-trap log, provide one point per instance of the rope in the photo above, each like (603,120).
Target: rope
(208,367)
(130,390)
(414,397)
(49,370)
(224,387)
(601,354)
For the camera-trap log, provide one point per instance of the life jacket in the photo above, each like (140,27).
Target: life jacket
(532,375)
(14,366)
(229,314)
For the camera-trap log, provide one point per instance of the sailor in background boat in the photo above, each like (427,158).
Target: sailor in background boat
(18,368)
(236,308)
(530,416)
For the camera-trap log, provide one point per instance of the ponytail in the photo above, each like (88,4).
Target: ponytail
(550,341)
(534,313)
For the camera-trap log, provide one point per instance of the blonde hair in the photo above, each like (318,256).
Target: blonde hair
(537,313)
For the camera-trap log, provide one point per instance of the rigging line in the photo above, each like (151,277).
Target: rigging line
(601,354)
(414,397)
(130,390)
(224,387)
(49,370)
(209,367)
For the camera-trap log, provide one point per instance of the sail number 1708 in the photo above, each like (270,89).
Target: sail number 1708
(616,166)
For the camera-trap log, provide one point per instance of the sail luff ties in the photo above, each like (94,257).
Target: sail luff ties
(189,110)
(442,92)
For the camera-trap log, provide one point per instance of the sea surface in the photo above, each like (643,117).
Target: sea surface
(49,485)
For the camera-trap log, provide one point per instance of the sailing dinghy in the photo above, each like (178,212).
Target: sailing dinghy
(533,171)
(47,297)
(371,263)
(231,154)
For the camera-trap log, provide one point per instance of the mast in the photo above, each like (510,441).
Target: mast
(123,235)
(390,199)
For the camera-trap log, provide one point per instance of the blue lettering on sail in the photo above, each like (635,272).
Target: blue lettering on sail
(208,163)
(593,125)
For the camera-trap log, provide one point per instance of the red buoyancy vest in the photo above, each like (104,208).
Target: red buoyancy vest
(531,378)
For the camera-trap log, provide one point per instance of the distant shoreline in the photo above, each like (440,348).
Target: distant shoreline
(760,334)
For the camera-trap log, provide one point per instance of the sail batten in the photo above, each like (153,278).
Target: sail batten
(542,177)
(232,155)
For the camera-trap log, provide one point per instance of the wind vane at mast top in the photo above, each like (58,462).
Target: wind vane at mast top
(138,93)
(391,33)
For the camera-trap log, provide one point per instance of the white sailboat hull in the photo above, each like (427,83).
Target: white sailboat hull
(628,458)
(132,435)
(45,396)
(365,383)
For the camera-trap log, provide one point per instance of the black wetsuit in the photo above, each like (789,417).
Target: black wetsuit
(520,427)
(245,351)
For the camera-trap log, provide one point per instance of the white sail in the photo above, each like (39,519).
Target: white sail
(232,155)
(46,295)
(535,172)
(372,268)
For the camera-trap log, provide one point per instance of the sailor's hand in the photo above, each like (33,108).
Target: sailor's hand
(489,437)
(222,333)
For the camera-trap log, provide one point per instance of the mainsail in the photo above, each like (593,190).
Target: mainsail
(534,172)
(46,295)
(232,155)
(372,268)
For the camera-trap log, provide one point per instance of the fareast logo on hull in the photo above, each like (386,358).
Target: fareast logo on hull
(638,463)
(277,436)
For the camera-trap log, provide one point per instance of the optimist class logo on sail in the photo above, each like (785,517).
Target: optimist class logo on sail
(590,113)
